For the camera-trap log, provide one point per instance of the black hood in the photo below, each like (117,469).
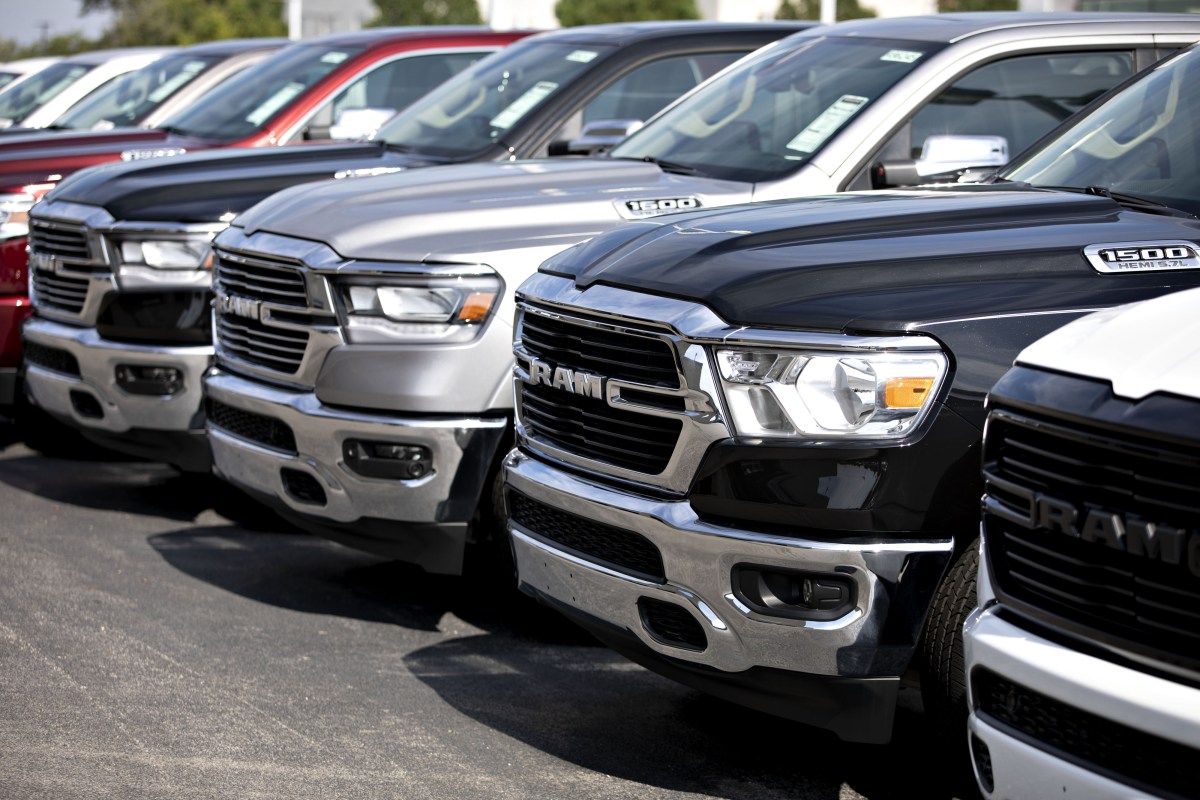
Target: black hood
(884,261)
(202,187)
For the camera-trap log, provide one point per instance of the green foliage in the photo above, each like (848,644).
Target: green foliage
(811,9)
(593,12)
(948,6)
(426,12)
(62,45)
(181,22)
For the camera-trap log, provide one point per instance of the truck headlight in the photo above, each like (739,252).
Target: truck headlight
(14,214)
(424,310)
(793,393)
(166,253)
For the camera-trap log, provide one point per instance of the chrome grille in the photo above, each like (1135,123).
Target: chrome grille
(1142,601)
(261,278)
(617,354)
(279,349)
(59,292)
(57,239)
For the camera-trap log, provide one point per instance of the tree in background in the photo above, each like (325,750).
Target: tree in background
(61,45)
(811,9)
(949,6)
(167,22)
(593,12)
(426,12)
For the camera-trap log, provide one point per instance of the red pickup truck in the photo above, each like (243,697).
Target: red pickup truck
(296,95)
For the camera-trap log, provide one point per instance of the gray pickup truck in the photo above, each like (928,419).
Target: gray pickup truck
(363,328)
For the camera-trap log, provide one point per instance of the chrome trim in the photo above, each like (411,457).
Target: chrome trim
(698,560)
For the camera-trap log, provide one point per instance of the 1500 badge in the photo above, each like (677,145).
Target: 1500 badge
(1142,256)
(649,207)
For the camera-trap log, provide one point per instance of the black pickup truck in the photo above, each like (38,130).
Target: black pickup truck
(748,439)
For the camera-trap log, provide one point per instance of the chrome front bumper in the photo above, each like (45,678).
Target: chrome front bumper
(98,360)
(698,560)
(462,449)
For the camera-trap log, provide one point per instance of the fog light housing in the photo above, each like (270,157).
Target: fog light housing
(157,381)
(794,594)
(388,460)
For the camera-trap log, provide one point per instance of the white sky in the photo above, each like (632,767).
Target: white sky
(21,20)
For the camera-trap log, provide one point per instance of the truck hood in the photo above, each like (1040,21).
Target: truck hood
(46,156)
(883,261)
(461,211)
(203,187)
(1141,348)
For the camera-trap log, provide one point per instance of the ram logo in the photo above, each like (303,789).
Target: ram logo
(584,384)
(637,209)
(1142,256)
(238,306)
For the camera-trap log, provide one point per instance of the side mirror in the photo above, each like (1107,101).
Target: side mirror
(597,135)
(359,123)
(943,160)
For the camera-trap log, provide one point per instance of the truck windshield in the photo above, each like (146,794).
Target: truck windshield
(129,99)
(22,99)
(474,110)
(1139,145)
(245,103)
(769,115)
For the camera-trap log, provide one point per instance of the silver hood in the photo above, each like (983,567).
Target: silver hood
(464,211)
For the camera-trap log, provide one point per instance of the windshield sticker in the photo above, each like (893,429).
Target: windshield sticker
(830,120)
(275,102)
(522,105)
(903,56)
(582,56)
(189,71)
(334,57)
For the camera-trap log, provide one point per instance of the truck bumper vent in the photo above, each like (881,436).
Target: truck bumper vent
(671,625)
(252,427)
(51,358)
(616,548)
(302,486)
(86,405)
(1149,763)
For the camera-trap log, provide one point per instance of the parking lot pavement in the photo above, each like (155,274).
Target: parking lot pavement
(162,637)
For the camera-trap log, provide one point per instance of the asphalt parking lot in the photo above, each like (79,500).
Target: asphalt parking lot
(161,637)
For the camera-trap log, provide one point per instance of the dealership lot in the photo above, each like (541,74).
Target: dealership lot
(160,637)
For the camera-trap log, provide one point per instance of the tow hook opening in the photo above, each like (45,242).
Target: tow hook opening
(671,625)
(86,405)
(388,460)
(302,487)
(794,594)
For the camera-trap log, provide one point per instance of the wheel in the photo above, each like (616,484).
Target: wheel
(942,664)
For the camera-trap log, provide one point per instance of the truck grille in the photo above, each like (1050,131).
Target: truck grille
(593,429)
(51,358)
(262,279)
(56,239)
(1161,766)
(279,349)
(59,291)
(623,550)
(1139,600)
(619,355)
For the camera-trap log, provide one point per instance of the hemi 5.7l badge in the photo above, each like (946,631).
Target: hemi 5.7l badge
(1142,256)
(653,206)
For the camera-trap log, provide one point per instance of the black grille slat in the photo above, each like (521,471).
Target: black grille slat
(253,427)
(51,358)
(1140,603)
(55,240)
(262,280)
(1164,767)
(592,428)
(621,549)
(276,348)
(614,354)
(58,291)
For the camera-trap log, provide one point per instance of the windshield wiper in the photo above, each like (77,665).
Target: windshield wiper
(1132,201)
(673,167)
